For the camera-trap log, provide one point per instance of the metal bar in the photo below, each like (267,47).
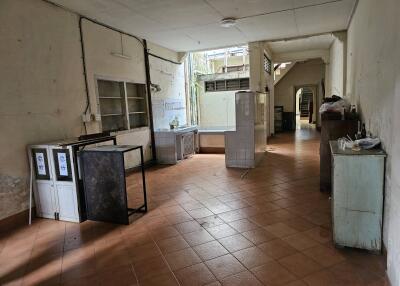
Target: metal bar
(143,178)
(149,101)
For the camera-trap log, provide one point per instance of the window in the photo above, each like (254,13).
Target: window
(267,64)
(227,84)
(122,105)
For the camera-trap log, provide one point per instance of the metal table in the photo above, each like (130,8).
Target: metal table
(103,172)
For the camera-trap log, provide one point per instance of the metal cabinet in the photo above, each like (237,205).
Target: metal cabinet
(174,145)
(57,186)
(357,197)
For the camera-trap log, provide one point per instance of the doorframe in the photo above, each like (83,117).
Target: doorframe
(295,89)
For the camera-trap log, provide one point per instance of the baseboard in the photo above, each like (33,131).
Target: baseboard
(212,150)
(15,221)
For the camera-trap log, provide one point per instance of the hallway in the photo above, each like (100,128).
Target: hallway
(207,225)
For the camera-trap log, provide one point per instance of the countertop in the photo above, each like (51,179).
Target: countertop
(337,151)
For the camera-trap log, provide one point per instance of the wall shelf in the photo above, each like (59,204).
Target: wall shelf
(110,97)
(111,114)
(135,97)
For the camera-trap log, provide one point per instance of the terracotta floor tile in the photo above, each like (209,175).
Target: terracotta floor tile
(182,258)
(319,234)
(210,221)
(280,229)
(84,281)
(151,267)
(241,279)
(192,206)
(252,257)
(326,256)
(161,233)
(197,237)
(232,215)
(235,242)
(300,265)
(326,278)
(258,236)
(215,283)
(350,273)
(172,244)
(272,273)
(160,280)
(222,230)
(277,248)
(296,283)
(188,226)
(300,241)
(199,213)
(224,266)
(144,251)
(123,276)
(195,275)
(210,250)
(299,224)
(243,225)
(280,198)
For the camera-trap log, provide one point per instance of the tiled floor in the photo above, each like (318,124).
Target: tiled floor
(207,225)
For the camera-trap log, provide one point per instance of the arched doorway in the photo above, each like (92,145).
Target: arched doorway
(305,102)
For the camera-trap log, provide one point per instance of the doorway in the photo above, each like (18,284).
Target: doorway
(305,105)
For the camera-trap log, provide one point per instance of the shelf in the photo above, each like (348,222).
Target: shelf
(109,97)
(138,112)
(134,97)
(112,114)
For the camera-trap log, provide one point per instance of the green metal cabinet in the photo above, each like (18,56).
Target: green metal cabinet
(357,197)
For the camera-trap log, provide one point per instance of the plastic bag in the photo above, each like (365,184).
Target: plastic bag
(337,106)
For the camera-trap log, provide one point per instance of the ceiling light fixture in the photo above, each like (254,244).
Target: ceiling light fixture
(228,22)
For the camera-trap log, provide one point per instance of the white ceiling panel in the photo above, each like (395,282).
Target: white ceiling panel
(215,36)
(245,8)
(187,25)
(321,42)
(175,13)
(324,18)
(272,26)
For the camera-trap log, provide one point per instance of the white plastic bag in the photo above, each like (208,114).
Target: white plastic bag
(337,106)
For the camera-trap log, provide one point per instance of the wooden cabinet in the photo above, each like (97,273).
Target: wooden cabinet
(357,197)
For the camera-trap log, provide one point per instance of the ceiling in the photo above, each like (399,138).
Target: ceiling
(320,42)
(189,25)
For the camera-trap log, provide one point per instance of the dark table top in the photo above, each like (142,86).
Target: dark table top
(112,148)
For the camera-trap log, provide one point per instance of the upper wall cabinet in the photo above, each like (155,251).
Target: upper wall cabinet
(122,105)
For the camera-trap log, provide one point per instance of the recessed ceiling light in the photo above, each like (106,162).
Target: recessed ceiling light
(228,22)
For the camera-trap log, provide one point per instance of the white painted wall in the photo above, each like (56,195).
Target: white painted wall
(372,53)
(42,89)
(171,100)
(259,79)
(308,73)
(99,43)
(217,110)
(336,74)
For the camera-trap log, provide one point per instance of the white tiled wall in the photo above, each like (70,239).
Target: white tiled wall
(241,145)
